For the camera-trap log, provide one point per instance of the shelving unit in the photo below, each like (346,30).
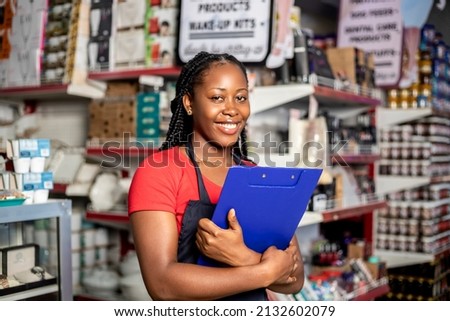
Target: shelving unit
(90,90)
(121,74)
(432,248)
(370,293)
(398,258)
(328,93)
(53,209)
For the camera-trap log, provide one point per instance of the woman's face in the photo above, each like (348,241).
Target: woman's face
(220,106)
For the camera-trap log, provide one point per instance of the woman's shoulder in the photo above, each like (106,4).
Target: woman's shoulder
(171,158)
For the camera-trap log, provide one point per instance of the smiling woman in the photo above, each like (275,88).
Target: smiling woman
(173,195)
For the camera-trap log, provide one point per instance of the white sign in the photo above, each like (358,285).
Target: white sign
(237,27)
(374,26)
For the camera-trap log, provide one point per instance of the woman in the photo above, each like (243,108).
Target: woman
(173,193)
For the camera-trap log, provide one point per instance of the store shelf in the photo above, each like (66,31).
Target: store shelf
(336,214)
(59,188)
(116,218)
(119,151)
(356,159)
(263,98)
(121,74)
(395,259)
(119,217)
(27,212)
(370,293)
(386,184)
(364,293)
(31,293)
(311,218)
(329,95)
(89,90)
(386,117)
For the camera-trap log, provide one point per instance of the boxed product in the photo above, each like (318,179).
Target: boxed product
(147,115)
(18,258)
(37,147)
(31,181)
(352,64)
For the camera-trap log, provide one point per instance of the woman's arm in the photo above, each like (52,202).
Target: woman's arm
(156,240)
(298,272)
(227,246)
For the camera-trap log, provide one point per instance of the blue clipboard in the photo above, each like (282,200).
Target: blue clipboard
(269,203)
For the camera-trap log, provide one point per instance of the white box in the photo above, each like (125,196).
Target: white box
(32,147)
(31,181)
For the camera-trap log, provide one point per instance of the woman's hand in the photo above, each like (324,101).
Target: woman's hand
(294,265)
(282,265)
(225,245)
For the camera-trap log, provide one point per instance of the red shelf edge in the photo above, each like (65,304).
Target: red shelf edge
(352,211)
(327,92)
(372,293)
(59,188)
(355,158)
(133,73)
(328,216)
(42,89)
(120,151)
(108,217)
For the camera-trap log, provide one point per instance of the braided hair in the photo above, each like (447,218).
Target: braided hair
(181,124)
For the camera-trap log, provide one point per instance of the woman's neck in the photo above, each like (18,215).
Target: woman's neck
(212,155)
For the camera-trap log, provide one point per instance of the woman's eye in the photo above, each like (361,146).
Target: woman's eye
(217,98)
(241,98)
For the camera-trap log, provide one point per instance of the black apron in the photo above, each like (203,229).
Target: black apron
(195,210)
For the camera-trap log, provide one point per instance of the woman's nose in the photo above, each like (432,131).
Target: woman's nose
(230,109)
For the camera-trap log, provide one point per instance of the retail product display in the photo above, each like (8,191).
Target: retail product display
(56,42)
(132,34)
(414,149)
(27,44)
(44,43)
(421,282)
(29,176)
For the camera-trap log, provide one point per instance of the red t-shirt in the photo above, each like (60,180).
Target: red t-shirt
(166,181)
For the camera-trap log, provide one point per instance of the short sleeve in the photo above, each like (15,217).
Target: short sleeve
(154,185)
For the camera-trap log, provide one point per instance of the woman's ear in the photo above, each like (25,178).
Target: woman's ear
(187,104)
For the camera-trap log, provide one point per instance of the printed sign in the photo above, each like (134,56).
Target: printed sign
(374,26)
(237,27)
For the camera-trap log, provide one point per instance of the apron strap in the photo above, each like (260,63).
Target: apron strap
(201,185)
(204,197)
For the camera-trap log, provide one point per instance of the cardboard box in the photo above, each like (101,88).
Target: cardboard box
(377,270)
(112,118)
(121,88)
(356,251)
